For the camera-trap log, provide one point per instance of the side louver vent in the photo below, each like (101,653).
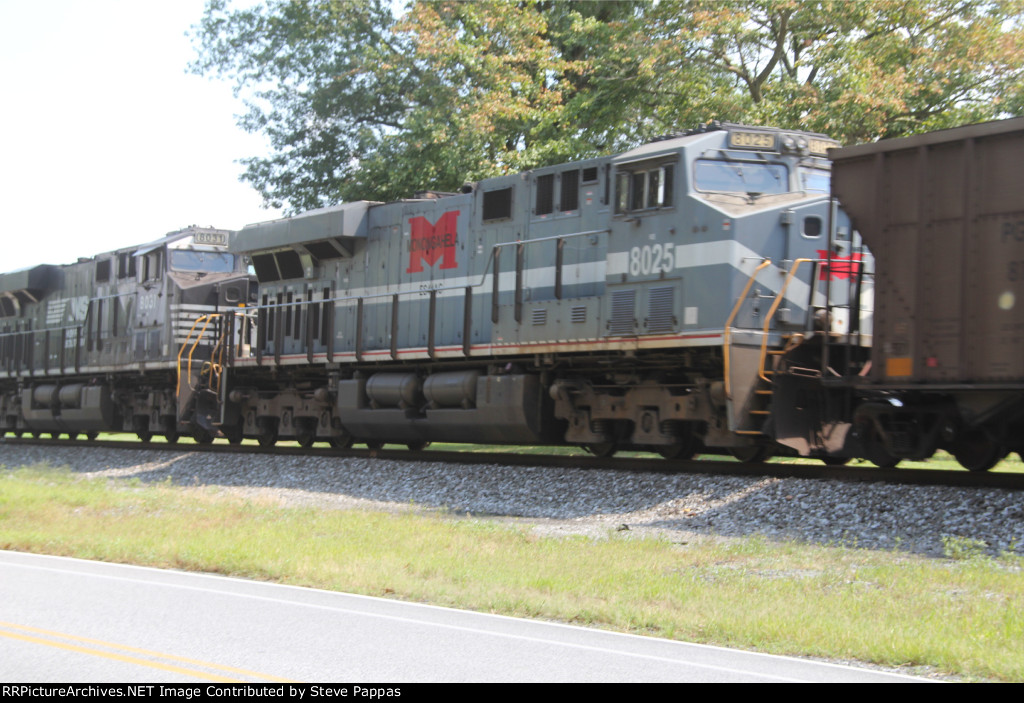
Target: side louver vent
(578,313)
(661,309)
(623,309)
(540,316)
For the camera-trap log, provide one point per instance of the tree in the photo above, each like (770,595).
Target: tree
(862,70)
(359,104)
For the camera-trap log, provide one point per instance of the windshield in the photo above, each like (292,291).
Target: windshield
(741,177)
(204,261)
(814,180)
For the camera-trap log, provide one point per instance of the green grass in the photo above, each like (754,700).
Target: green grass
(962,615)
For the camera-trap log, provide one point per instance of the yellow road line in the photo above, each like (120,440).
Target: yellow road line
(136,650)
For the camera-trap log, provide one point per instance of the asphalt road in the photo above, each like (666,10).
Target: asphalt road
(68,620)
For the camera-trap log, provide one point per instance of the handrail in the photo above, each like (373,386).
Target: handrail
(216,368)
(771,313)
(481,278)
(727,333)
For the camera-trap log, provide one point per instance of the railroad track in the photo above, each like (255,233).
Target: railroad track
(707,466)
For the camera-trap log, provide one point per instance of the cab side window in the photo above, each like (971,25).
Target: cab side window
(644,188)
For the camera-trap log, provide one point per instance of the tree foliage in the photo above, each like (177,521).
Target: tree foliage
(360,104)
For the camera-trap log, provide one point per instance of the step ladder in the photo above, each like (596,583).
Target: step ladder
(200,381)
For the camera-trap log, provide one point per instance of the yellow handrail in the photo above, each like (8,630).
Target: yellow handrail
(206,319)
(727,334)
(771,314)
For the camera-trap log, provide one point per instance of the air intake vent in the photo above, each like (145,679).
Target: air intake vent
(622,321)
(660,309)
(578,313)
(540,316)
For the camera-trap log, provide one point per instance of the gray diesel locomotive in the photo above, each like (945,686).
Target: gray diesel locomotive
(641,300)
(654,299)
(99,345)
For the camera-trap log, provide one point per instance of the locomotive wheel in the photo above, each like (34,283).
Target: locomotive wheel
(417,446)
(602,449)
(233,433)
(344,441)
(140,426)
(305,432)
(170,428)
(682,450)
(976,450)
(835,460)
(202,436)
(266,432)
(753,454)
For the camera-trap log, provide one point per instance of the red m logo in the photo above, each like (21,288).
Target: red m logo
(842,266)
(430,242)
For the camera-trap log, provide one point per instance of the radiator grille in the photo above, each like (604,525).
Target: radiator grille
(623,309)
(661,309)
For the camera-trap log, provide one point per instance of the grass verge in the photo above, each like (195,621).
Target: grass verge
(962,615)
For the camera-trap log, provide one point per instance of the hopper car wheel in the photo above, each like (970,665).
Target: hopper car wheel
(835,460)
(91,436)
(417,446)
(976,450)
(602,449)
(374,444)
(753,454)
(877,455)
(144,436)
(37,435)
(72,436)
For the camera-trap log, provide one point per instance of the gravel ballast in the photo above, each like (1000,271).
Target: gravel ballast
(575,501)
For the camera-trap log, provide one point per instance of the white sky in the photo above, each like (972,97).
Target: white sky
(106,141)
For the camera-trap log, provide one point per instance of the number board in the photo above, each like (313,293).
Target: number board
(217,239)
(752,140)
(821,146)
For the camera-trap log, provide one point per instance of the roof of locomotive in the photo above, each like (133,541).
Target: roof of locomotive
(34,280)
(715,133)
(212,235)
(345,220)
